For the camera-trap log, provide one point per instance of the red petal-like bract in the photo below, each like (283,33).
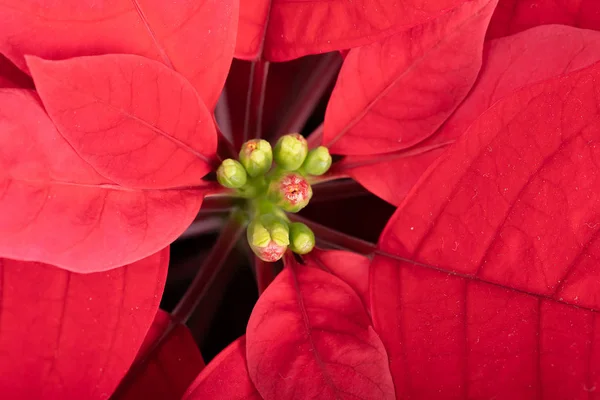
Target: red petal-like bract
(508,64)
(225,377)
(281,30)
(56,209)
(503,238)
(395,93)
(73,336)
(309,336)
(169,369)
(137,122)
(512,16)
(194,37)
(352,268)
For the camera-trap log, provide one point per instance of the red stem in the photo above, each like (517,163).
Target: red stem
(217,204)
(315,137)
(336,239)
(307,100)
(194,294)
(337,190)
(226,241)
(254,101)
(265,273)
(201,226)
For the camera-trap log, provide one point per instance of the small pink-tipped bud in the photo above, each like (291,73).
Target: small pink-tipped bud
(268,237)
(290,191)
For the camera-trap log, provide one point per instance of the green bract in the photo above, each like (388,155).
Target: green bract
(290,151)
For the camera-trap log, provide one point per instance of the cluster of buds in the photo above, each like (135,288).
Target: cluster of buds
(274,180)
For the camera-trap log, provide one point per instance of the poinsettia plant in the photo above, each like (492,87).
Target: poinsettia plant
(259,199)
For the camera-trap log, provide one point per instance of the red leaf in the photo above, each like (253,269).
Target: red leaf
(512,16)
(281,30)
(170,369)
(57,209)
(135,121)
(395,93)
(225,377)
(196,38)
(503,235)
(508,64)
(310,337)
(11,76)
(71,336)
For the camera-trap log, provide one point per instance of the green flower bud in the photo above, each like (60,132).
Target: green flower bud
(231,174)
(269,237)
(290,191)
(317,161)
(302,239)
(256,156)
(290,151)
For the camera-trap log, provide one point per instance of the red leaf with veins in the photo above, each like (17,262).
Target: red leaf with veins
(281,30)
(508,64)
(512,16)
(309,323)
(225,377)
(57,209)
(196,38)
(503,235)
(169,370)
(71,336)
(395,93)
(138,123)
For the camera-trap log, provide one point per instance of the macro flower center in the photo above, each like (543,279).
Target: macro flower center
(273,182)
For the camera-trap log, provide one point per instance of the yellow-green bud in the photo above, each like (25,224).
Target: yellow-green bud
(231,174)
(290,151)
(317,161)
(256,156)
(302,238)
(269,237)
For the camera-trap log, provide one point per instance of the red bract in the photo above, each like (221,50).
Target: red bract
(165,372)
(11,76)
(395,93)
(508,63)
(497,245)
(137,122)
(70,336)
(324,332)
(195,38)
(512,16)
(482,285)
(72,213)
(280,30)
(225,378)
